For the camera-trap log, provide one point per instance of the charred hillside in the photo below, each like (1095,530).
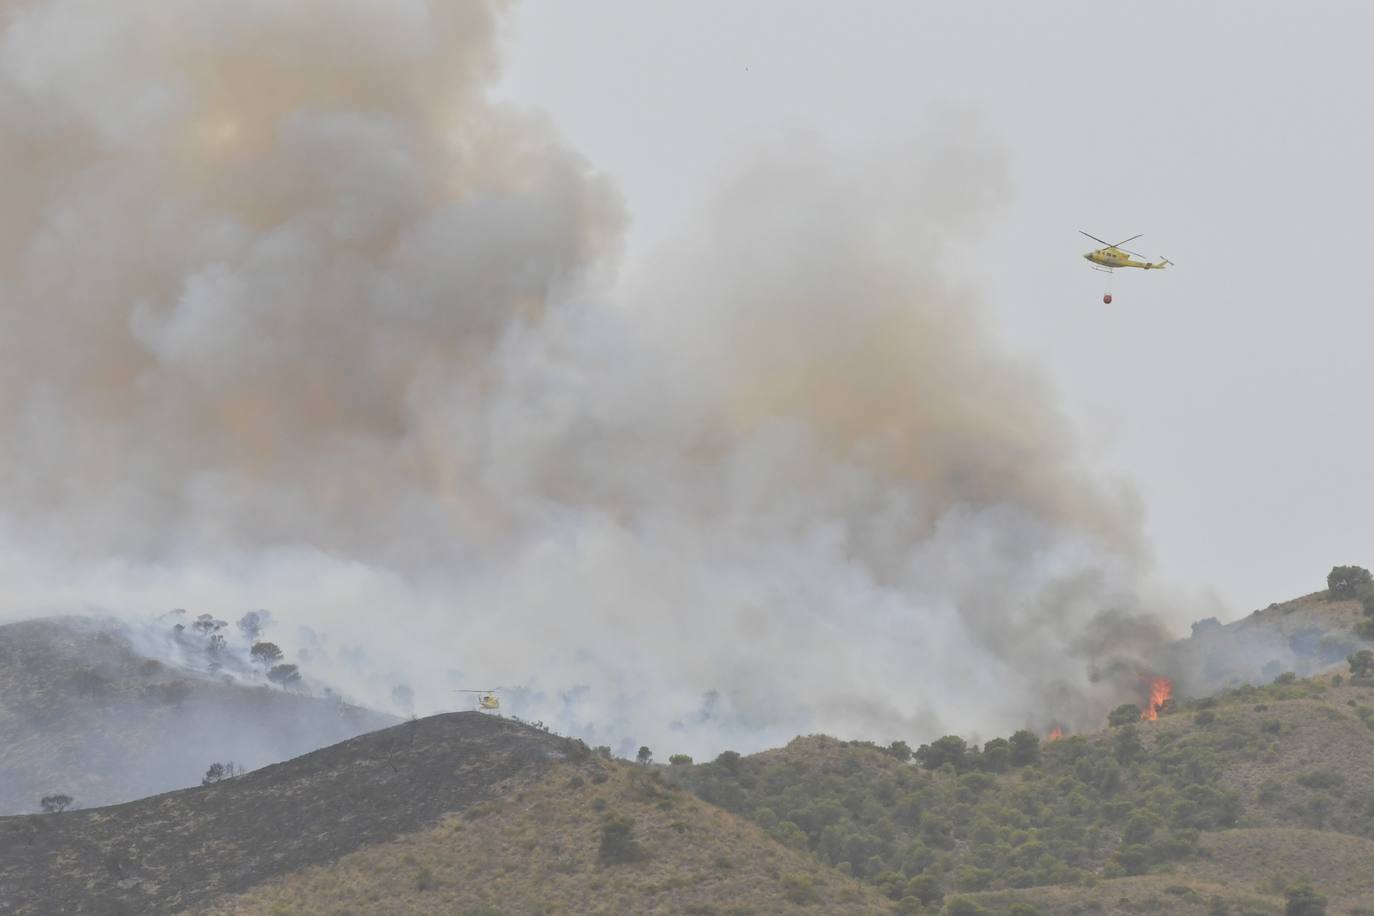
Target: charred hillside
(173,851)
(85,712)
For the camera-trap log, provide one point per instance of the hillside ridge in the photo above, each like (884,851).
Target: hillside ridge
(86,710)
(174,850)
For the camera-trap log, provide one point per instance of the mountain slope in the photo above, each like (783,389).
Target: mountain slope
(1306,636)
(180,849)
(84,712)
(1135,803)
(538,850)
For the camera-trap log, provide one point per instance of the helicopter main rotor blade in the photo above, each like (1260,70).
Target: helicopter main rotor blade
(1095,239)
(1131,239)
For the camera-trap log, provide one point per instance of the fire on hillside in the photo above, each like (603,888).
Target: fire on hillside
(1161,689)
(1161,692)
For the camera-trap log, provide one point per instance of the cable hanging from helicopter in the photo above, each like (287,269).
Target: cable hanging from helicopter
(1112,256)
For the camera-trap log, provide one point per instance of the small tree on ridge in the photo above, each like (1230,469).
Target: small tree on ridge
(1344,582)
(55,804)
(286,675)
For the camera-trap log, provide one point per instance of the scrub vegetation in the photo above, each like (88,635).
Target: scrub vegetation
(1135,799)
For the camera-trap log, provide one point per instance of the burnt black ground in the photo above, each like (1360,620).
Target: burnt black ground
(172,851)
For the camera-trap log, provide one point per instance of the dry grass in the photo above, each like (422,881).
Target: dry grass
(1311,728)
(1247,870)
(1177,895)
(1311,610)
(1267,860)
(537,851)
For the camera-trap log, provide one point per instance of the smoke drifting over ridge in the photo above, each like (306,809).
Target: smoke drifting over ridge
(296,317)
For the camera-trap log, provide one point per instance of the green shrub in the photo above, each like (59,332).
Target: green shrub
(901,750)
(967,878)
(1321,779)
(1141,828)
(680,760)
(1025,748)
(424,880)
(951,749)
(1126,744)
(1134,860)
(1124,714)
(800,889)
(1361,663)
(1303,901)
(1315,811)
(618,844)
(925,888)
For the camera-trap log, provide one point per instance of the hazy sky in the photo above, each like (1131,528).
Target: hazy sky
(1233,391)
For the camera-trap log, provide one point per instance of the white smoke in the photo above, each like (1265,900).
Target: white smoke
(296,318)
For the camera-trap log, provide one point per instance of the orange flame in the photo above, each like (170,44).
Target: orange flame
(1056,733)
(1161,688)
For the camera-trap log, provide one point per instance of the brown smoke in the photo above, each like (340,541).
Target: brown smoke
(295,316)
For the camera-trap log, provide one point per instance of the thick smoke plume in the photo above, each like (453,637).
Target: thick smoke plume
(296,317)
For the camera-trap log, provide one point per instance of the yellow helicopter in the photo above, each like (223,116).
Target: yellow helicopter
(486,699)
(1112,255)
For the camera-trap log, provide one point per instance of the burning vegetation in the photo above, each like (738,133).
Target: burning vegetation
(1160,699)
(1161,691)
